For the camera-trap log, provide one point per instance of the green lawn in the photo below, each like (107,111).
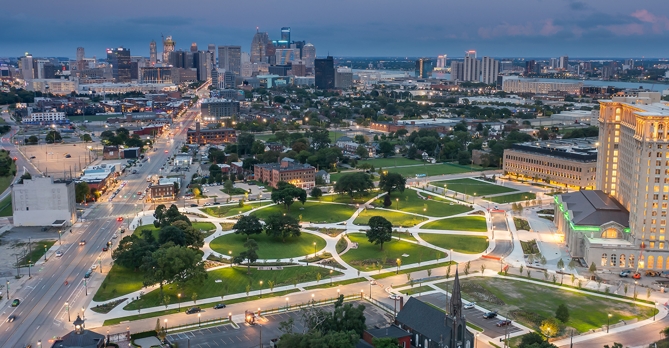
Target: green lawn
(5,181)
(367,254)
(397,218)
(416,289)
(119,281)
(269,247)
(234,191)
(429,170)
(335,284)
(514,197)
(310,211)
(230,209)
(37,251)
(459,243)
(346,199)
(531,303)
(236,280)
(472,223)
(410,202)
(203,226)
(471,186)
(335,176)
(390,162)
(413,269)
(154,230)
(6,206)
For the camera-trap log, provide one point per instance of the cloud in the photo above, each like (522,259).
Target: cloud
(659,23)
(578,6)
(548,28)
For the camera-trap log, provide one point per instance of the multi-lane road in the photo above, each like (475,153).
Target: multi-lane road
(42,314)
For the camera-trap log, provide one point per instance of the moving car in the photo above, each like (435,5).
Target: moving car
(394,296)
(193,205)
(82,242)
(88,273)
(16,302)
(11,318)
(636,275)
(193,310)
(626,273)
(104,248)
(504,322)
(120,218)
(59,253)
(219,306)
(490,315)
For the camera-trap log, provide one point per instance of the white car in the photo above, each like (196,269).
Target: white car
(59,253)
(207,204)
(469,305)
(394,296)
(94,266)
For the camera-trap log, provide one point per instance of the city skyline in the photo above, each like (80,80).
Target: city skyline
(511,29)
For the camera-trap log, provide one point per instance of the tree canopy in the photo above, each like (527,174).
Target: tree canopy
(380,230)
(357,182)
(286,194)
(282,226)
(248,225)
(390,182)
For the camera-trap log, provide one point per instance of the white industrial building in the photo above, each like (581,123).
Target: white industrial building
(44,202)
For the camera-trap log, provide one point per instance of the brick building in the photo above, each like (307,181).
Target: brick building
(214,136)
(386,126)
(300,175)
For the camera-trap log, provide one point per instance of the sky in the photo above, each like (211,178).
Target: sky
(359,28)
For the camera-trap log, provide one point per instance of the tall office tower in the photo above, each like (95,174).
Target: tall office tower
(81,54)
(554,63)
(530,67)
(27,69)
(153,53)
(259,47)
(472,68)
(285,34)
(457,70)
(202,64)
(193,47)
(344,78)
(177,59)
(119,59)
(309,55)
(441,61)
(489,70)
(270,53)
(625,225)
(230,59)
(324,73)
(564,63)
(286,55)
(424,67)
(168,46)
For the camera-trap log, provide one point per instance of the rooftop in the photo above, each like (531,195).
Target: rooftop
(425,319)
(582,149)
(594,208)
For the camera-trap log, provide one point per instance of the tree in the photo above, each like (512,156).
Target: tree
(386,148)
(380,230)
(279,225)
(171,234)
(320,138)
(392,182)
(81,191)
(592,268)
(228,186)
(53,137)
(286,194)
(562,313)
(86,138)
(174,264)
(245,143)
(560,264)
(386,342)
(250,254)
(193,238)
(248,225)
(362,151)
(132,250)
(550,327)
(354,182)
(316,193)
(665,332)
(319,339)
(534,340)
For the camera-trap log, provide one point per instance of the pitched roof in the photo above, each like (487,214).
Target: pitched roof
(425,319)
(390,331)
(594,208)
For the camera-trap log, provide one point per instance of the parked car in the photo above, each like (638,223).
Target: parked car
(490,315)
(193,310)
(394,296)
(636,275)
(504,322)
(626,273)
(469,305)
(104,248)
(16,302)
(219,306)
(193,205)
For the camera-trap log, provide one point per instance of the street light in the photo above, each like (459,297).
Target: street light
(83,316)
(59,240)
(330,277)
(398,261)
(261,289)
(608,321)
(286,303)
(198,320)
(398,203)
(655,312)
(67,307)
(370,290)
(314,249)
(8,289)
(44,252)
(30,262)
(99,263)
(179,301)
(165,326)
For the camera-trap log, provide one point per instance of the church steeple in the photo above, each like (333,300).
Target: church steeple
(456,315)
(455,304)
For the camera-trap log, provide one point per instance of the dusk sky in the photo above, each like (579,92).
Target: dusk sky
(510,28)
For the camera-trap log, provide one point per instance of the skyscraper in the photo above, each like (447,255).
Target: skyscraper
(489,70)
(193,47)
(530,67)
(285,34)
(119,59)
(424,67)
(259,47)
(81,54)
(457,70)
(324,73)
(27,69)
(202,64)
(309,55)
(286,55)
(441,61)
(153,53)
(472,67)
(564,63)
(168,46)
(230,59)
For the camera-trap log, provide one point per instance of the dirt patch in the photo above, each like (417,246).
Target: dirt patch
(14,245)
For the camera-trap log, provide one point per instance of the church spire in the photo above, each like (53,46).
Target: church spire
(455,304)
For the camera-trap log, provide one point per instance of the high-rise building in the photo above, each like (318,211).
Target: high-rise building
(201,62)
(324,73)
(309,55)
(81,54)
(168,47)
(424,67)
(153,53)
(286,55)
(563,64)
(457,70)
(119,59)
(259,47)
(554,63)
(193,47)
(530,67)
(230,59)
(489,70)
(344,78)
(299,69)
(441,61)
(285,34)
(27,68)
(472,67)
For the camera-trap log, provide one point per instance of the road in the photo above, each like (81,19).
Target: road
(502,236)
(42,314)
(21,162)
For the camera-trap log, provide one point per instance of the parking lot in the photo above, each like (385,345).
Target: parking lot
(52,158)
(248,336)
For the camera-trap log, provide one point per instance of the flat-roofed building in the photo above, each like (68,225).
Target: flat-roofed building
(298,174)
(215,109)
(214,136)
(569,162)
(516,85)
(41,201)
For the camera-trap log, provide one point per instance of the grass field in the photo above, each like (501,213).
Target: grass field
(335,284)
(429,170)
(38,251)
(410,202)
(530,303)
(459,243)
(461,223)
(416,289)
(414,269)
(346,199)
(269,247)
(514,197)
(230,209)
(390,162)
(470,186)
(397,218)
(310,211)
(333,136)
(203,226)
(367,254)
(6,206)
(234,281)
(119,281)
(336,176)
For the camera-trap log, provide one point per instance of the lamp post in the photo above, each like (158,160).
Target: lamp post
(83,315)
(398,203)
(330,277)
(86,286)
(314,249)
(99,263)
(59,240)
(370,290)
(30,262)
(198,320)
(362,292)
(286,303)
(44,252)
(474,197)
(261,289)
(608,321)
(8,289)
(451,256)
(179,301)
(501,264)
(561,279)
(634,293)
(398,261)
(655,312)
(67,308)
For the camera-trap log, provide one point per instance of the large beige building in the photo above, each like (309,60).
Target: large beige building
(633,170)
(571,163)
(41,201)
